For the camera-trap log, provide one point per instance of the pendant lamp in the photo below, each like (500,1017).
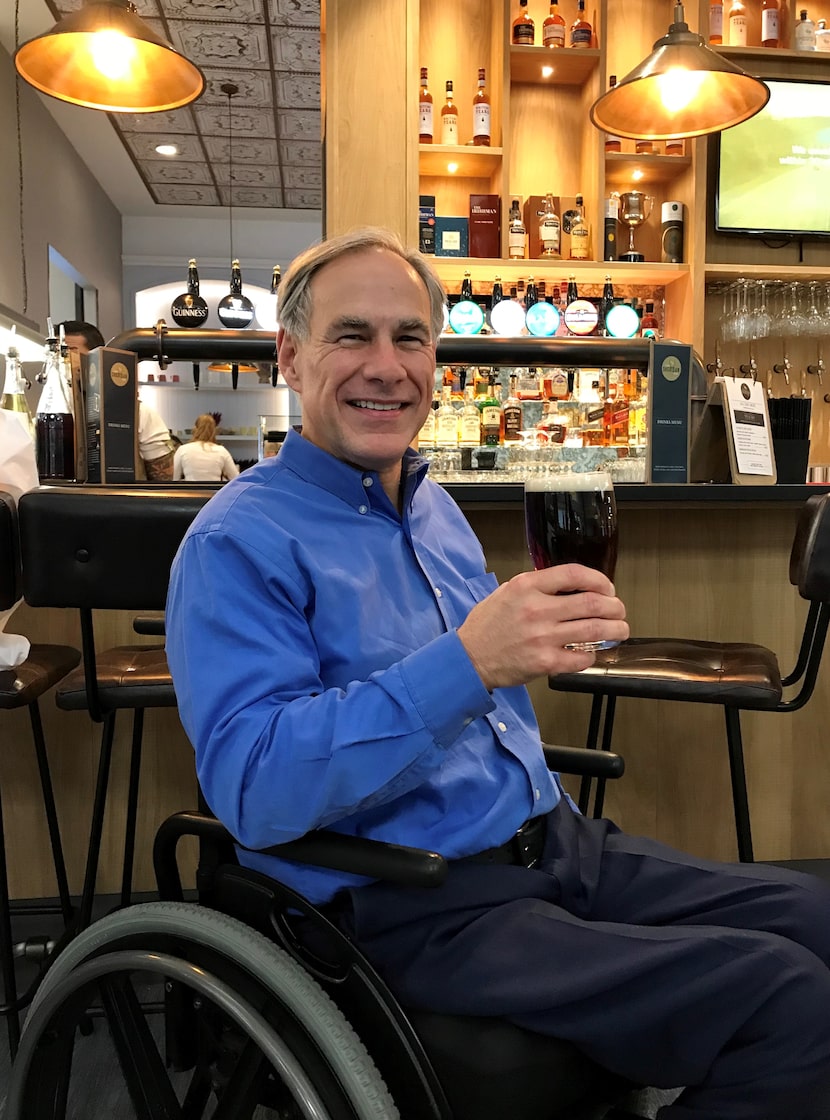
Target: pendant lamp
(104,56)
(683,88)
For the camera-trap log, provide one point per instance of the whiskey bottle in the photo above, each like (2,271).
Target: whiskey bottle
(804,32)
(481,112)
(770,29)
(14,390)
(716,22)
(513,413)
(524,31)
(449,119)
(650,325)
(446,428)
(581,30)
(580,234)
(424,111)
(492,416)
(426,436)
(553,29)
(737,24)
(469,423)
(612,143)
(550,229)
(54,423)
(517,234)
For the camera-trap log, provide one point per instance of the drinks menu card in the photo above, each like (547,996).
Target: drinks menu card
(733,442)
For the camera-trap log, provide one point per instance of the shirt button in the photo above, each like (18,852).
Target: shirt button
(467,721)
(437,592)
(367,482)
(538,795)
(362,509)
(502,727)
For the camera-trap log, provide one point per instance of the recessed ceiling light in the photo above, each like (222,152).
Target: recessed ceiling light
(167,149)
(452,168)
(547,71)
(637,175)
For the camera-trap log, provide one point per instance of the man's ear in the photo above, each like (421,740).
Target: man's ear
(286,353)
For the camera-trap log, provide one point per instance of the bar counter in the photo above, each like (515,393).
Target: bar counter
(705,562)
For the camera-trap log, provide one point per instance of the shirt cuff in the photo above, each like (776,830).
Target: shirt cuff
(445,688)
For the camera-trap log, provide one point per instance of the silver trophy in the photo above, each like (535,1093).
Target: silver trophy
(635,208)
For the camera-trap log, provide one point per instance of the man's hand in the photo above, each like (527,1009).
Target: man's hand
(521,630)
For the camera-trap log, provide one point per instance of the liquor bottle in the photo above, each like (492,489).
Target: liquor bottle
(737,24)
(517,234)
(550,229)
(424,111)
(553,29)
(469,423)
(466,292)
(449,119)
(492,416)
(54,423)
(531,293)
(580,234)
(770,23)
(804,33)
(611,226)
(446,426)
(14,390)
(615,415)
(513,413)
(497,294)
(612,143)
(606,303)
(675,146)
(650,325)
(581,30)
(481,382)
(426,436)
(822,36)
(716,22)
(481,112)
(524,31)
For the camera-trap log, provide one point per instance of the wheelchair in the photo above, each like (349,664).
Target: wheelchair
(250,1003)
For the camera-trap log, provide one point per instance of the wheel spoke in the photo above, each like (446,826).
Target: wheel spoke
(244,1088)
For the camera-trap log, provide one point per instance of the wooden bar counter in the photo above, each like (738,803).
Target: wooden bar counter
(707,562)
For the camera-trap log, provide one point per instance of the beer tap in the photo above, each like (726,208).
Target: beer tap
(818,370)
(785,366)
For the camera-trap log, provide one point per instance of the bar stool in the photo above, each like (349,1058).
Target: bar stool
(737,676)
(22,687)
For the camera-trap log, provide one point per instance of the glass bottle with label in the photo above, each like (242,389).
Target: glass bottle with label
(524,31)
(804,33)
(517,234)
(426,436)
(424,111)
(54,423)
(481,112)
(650,325)
(513,413)
(737,24)
(770,23)
(580,233)
(14,390)
(553,29)
(449,119)
(822,36)
(612,143)
(470,420)
(550,229)
(715,22)
(581,31)
(492,416)
(446,428)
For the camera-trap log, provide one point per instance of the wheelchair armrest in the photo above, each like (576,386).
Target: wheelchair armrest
(147,624)
(580,760)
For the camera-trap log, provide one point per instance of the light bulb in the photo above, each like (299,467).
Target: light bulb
(112,54)
(678,87)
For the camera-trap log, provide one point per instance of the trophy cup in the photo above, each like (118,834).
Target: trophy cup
(635,208)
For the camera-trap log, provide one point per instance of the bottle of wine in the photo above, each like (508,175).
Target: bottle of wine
(580,233)
(481,112)
(54,422)
(524,31)
(14,390)
(737,24)
(424,110)
(449,119)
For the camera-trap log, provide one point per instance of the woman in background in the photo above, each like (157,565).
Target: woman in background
(203,459)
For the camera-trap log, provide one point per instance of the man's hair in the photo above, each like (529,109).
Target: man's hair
(204,429)
(90,332)
(294,298)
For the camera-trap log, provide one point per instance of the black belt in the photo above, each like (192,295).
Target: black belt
(524,848)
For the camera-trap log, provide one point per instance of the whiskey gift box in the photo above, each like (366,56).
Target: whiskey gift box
(485,225)
(111,405)
(426,223)
(451,237)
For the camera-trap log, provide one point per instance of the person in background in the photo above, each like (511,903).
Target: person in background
(343,659)
(154,443)
(203,459)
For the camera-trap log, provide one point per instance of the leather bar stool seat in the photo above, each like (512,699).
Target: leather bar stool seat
(128,677)
(44,667)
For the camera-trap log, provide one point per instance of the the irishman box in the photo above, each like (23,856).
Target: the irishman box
(111,415)
(485,225)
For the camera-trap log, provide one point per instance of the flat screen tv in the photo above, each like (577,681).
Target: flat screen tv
(773,171)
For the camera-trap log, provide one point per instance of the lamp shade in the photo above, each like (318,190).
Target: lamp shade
(682,89)
(106,57)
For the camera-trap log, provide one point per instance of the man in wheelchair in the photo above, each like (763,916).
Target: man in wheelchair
(343,660)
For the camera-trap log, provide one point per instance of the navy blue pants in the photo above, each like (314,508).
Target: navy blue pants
(666,969)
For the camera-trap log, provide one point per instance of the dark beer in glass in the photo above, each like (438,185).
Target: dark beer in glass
(572,519)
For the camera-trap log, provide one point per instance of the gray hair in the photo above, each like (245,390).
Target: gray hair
(294,299)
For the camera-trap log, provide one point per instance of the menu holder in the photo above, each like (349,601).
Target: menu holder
(733,442)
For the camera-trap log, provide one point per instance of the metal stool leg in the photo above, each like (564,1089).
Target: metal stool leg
(97,824)
(737,771)
(51,812)
(132,808)
(9,1007)
(607,735)
(591,743)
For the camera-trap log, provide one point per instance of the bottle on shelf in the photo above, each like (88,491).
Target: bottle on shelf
(715,22)
(446,424)
(14,390)
(54,422)
(469,420)
(580,233)
(513,412)
(572,293)
(524,30)
(426,436)
(650,324)
(737,24)
(517,234)
(615,418)
(424,110)
(804,33)
(675,146)
(611,226)
(581,31)
(481,111)
(822,36)
(612,143)
(449,119)
(492,415)
(770,23)
(466,292)
(553,29)
(531,293)
(550,229)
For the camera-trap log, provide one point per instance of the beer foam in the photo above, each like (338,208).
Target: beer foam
(573,482)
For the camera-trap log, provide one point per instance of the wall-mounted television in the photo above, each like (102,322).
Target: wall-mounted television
(773,171)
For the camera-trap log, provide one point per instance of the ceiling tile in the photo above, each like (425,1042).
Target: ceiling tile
(253,196)
(143,145)
(244,151)
(303,200)
(220,44)
(298,91)
(248,175)
(296,13)
(294,152)
(241,123)
(299,124)
(175,195)
(305,178)
(234,11)
(173,171)
(296,48)
(254,88)
(179,121)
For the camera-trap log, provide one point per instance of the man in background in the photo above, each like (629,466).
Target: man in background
(154,443)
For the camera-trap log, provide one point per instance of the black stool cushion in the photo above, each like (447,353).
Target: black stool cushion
(44,667)
(128,677)
(736,675)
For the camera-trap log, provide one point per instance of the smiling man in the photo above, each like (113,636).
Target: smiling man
(343,659)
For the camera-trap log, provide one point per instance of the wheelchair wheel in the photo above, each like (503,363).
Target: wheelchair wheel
(259,1036)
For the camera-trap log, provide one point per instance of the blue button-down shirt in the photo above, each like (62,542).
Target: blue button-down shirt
(312,638)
